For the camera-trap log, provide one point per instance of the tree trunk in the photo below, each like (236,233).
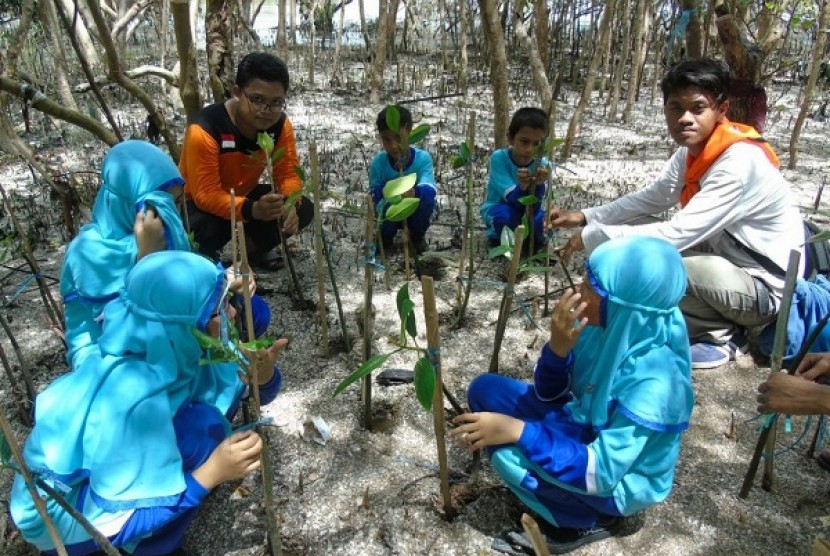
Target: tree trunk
(379,62)
(540,79)
(219,48)
(637,60)
(282,30)
(335,74)
(81,32)
(464,71)
(391,28)
(312,46)
(51,28)
(292,23)
(188,72)
(815,65)
(694,32)
(620,70)
(748,99)
(494,36)
(442,22)
(364,29)
(540,16)
(164,37)
(588,88)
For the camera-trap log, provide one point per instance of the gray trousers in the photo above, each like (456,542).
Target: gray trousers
(720,298)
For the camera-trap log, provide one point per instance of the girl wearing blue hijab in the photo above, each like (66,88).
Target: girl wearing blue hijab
(135,175)
(145,437)
(597,435)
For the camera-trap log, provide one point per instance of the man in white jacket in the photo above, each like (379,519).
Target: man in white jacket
(737,220)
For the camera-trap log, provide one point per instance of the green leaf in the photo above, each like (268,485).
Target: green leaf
(464,150)
(300,172)
(457,162)
(402,210)
(405,312)
(824,235)
(399,186)
(508,237)
(500,250)
(366,368)
(265,142)
(425,382)
(292,199)
(393,118)
(528,200)
(419,133)
(277,154)
(5,450)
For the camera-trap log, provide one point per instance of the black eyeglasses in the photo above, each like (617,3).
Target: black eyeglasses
(261,104)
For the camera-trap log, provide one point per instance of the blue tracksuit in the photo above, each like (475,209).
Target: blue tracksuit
(383,170)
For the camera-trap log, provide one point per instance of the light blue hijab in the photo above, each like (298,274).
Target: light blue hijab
(134,174)
(111,420)
(638,361)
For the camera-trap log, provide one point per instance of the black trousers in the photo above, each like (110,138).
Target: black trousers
(213,232)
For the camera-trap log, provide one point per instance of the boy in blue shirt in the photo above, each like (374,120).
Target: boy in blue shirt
(399,159)
(512,171)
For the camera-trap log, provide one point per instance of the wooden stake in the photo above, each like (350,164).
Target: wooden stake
(467,240)
(434,353)
(271,518)
(540,547)
(318,251)
(766,439)
(234,236)
(507,298)
(368,321)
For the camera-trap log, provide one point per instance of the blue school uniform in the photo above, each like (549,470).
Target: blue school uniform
(144,414)
(501,207)
(383,169)
(134,174)
(603,425)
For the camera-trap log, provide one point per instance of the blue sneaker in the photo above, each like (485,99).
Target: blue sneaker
(709,356)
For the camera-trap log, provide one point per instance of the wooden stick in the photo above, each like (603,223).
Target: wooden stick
(434,354)
(40,505)
(271,519)
(368,321)
(540,547)
(318,251)
(234,236)
(467,241)
(344,331)
(775,366)
(406,264)
(507,298)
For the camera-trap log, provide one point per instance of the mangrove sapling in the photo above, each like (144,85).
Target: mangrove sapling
(271,155)
(53,310)
(766,438)
(10,448)
(344,331)
(465,159)
(368,310)
(318,252)
(507,297)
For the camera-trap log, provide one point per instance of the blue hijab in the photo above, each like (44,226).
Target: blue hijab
(638,361)
(134,174)
(117,430)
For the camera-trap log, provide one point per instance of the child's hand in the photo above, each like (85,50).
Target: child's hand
(235,281)
(235,457)
(525,179)
(566,323)
(290,221)
(559,218)
(573,245)
(479,430)
(814,366)
(268,207)
(149,233)
(542,173)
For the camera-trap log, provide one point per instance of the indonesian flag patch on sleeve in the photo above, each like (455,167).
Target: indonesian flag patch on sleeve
(228,141)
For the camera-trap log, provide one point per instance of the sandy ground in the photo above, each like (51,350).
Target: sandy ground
(377,493)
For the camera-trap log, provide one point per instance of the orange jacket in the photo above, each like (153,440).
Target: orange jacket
(216,157)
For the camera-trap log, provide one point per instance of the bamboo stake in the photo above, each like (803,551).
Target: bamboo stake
(271,517)
(234,238)
(318,251)
(434,354)
(467,240)
(368,321)
(533,533)
(344,331)
(40,505)
(406,265)
(286,255)
(766,439)
(507,298)
(548,207)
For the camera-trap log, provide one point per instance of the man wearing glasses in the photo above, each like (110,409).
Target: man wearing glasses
(217,157)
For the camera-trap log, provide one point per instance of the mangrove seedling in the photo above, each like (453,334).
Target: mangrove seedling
(464,159)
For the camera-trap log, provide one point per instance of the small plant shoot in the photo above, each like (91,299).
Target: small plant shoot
(505,248)
(424,371)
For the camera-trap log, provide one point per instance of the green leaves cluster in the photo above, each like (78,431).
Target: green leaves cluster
(424,370)
(393,122)
(215,351)
(266,143)
(463,157)
(400,207)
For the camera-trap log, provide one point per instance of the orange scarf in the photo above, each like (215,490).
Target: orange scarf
(725,135)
